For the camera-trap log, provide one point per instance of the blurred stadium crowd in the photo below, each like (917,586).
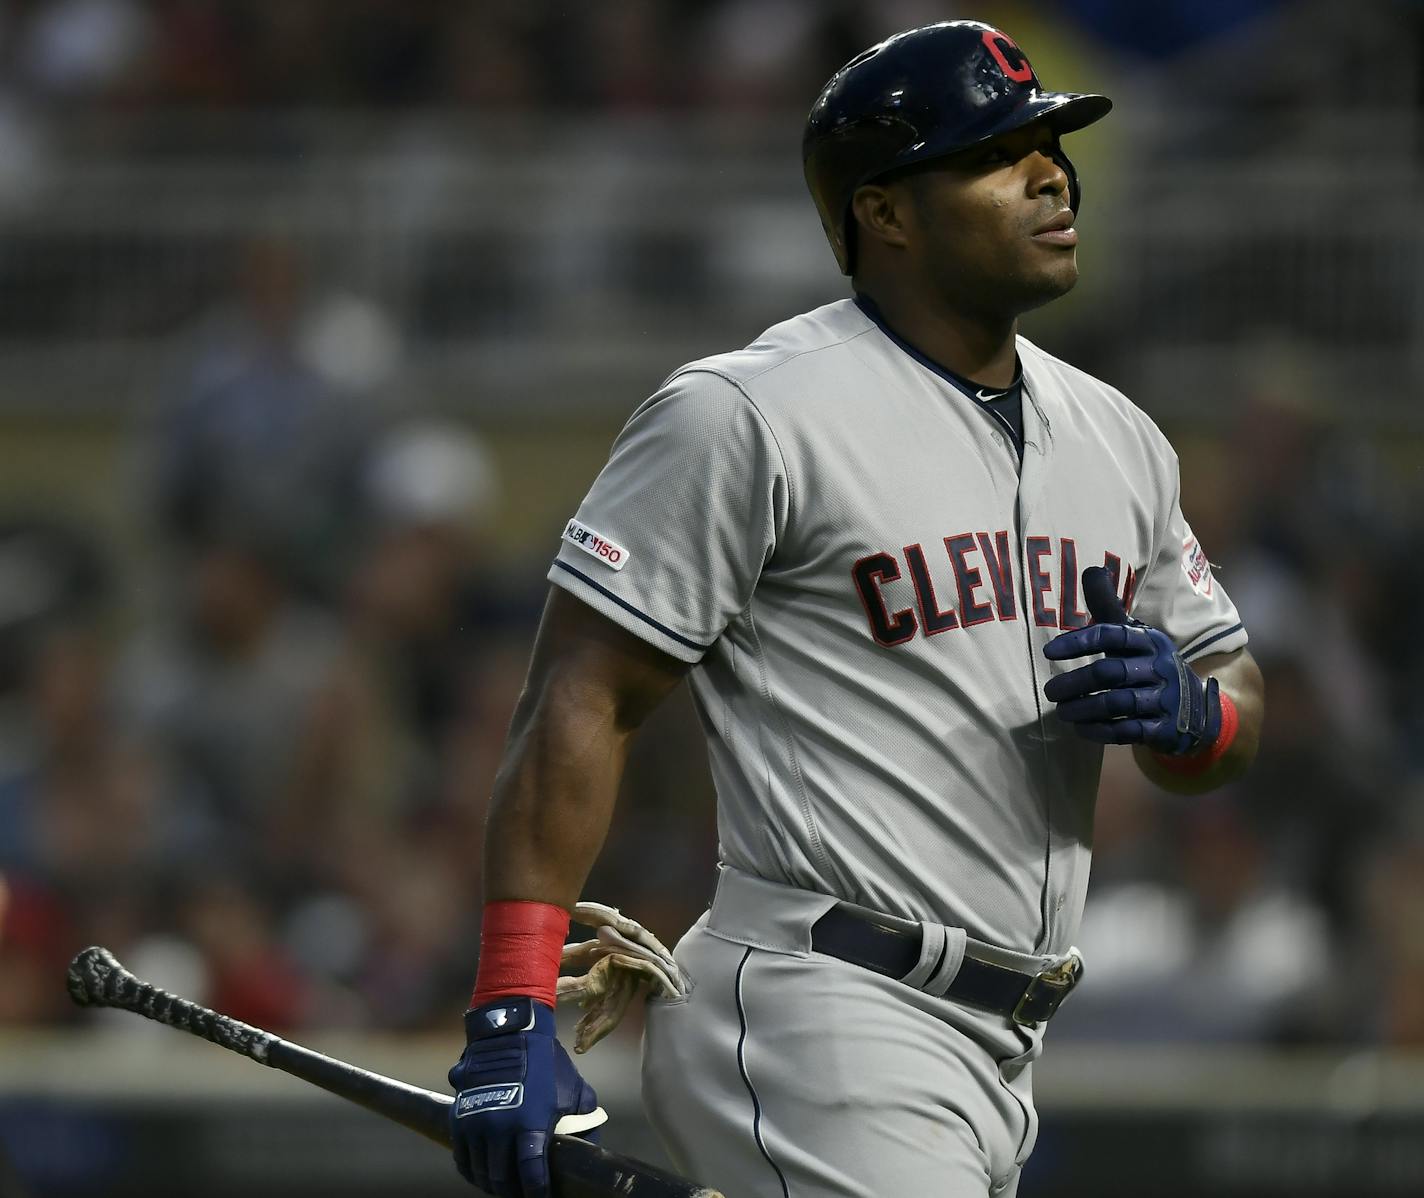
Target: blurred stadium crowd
(635,55)
(253,756)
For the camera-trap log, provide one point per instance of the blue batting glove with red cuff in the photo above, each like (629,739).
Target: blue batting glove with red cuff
(512,1085)
(1141,692)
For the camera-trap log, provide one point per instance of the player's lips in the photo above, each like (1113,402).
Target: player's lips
(1058,229)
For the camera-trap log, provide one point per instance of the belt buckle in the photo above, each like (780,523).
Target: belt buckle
(1047,989)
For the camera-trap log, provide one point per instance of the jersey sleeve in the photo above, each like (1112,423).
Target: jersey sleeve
(1180,593)
(670,540)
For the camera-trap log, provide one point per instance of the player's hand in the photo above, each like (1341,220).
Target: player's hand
(512,1084)
(1141,692)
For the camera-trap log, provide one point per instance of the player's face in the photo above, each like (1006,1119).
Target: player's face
(991,227)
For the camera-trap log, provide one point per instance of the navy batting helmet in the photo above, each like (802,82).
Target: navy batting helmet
(923,94)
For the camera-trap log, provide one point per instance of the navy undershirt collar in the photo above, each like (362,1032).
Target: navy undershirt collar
(968,386)
(1005,404)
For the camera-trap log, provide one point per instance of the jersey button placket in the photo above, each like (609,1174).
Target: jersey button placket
(1033,469)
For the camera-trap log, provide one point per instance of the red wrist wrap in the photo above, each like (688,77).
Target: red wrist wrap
(1203,759)
(520,945)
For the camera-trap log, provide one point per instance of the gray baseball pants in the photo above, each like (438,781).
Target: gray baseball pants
(786,1073)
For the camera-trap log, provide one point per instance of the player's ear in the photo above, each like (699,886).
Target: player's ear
(880,211)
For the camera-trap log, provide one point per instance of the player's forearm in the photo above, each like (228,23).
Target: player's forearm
(1238,676)
(553,797)
(591,684)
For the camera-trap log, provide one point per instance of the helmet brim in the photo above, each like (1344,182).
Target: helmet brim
(1063,112)
(1068,112)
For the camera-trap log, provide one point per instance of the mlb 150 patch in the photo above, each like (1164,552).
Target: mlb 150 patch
(595,544)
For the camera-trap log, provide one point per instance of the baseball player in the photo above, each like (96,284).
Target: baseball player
(917,572)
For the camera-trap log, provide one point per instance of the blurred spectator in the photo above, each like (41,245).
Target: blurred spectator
(1392,879)
(36,943)
(76,800)
(1167,28)
(81,48)
(626,68)
(421,896)
(224,693)
(1193,934)
(496,61)
(250,975)
(256,436)
(758,54)
(426,632)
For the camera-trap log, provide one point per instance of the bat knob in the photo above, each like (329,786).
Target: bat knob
(94,976)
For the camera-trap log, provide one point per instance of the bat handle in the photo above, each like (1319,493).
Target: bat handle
(96,979)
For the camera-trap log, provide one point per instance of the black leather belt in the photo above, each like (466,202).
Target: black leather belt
(1027,998)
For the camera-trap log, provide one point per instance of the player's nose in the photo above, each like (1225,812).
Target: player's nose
(1046,175)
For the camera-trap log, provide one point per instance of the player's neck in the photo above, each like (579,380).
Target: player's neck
(973,345)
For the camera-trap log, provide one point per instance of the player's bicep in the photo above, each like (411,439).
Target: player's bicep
(583,658)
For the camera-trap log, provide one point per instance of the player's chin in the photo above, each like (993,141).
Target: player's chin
(1047,281)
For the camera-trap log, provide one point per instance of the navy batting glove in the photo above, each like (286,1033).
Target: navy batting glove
(1141,692)
(512,1085)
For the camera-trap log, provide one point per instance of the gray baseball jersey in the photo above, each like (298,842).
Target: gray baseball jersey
(850,549)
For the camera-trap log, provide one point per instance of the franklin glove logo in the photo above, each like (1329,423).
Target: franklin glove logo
(488,1098)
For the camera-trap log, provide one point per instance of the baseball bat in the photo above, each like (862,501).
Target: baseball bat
(577,1169)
